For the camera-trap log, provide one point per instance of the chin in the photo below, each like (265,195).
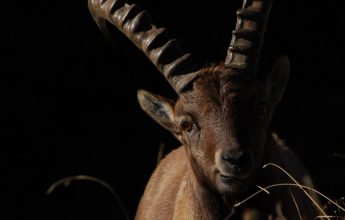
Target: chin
(232,187)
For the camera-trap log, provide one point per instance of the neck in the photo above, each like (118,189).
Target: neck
(205,203)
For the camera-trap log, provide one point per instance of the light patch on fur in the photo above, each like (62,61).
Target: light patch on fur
(168,111)
(307,181)
(180,199)
(281,143)
(251,214)
(279,212)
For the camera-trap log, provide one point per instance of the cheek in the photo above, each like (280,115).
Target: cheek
(258,144)
(198,166)
(202,156)
(262,130)
(203,161)
(256,138)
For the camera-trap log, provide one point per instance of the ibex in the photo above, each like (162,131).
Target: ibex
(222,118)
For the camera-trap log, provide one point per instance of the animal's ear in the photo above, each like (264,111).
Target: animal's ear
(159,108)
(277,79)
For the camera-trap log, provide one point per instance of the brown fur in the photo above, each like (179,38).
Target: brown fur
(173,192)
(204,178)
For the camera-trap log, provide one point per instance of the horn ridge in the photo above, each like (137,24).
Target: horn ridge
(246,42)
(136,24)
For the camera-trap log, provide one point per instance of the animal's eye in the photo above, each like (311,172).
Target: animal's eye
(186,125)
(262,109)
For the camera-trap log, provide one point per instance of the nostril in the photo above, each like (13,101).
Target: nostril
(239,163)
(237,158)
(225,157)
(229,158)
(243,159)
(238,155)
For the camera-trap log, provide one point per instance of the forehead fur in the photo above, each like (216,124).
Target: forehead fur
(218,84)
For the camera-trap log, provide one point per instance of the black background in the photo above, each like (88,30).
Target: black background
(68,98)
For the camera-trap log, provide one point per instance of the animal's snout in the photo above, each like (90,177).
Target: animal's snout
(240,162)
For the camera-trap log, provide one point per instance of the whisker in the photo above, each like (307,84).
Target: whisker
(294,201)
(293,179)
(263,189)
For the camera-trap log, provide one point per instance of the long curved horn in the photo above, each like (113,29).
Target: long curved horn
(165,53)
(244,50)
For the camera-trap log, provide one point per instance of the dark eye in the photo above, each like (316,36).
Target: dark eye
(262,109)
(186,125)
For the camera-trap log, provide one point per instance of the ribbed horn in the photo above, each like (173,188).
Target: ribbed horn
(165,53)
(244,50)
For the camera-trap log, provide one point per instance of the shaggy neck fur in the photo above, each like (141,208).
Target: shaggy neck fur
(205,203)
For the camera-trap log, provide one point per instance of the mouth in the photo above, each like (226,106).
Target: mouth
(230,184)
(229,179)
(225,177)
